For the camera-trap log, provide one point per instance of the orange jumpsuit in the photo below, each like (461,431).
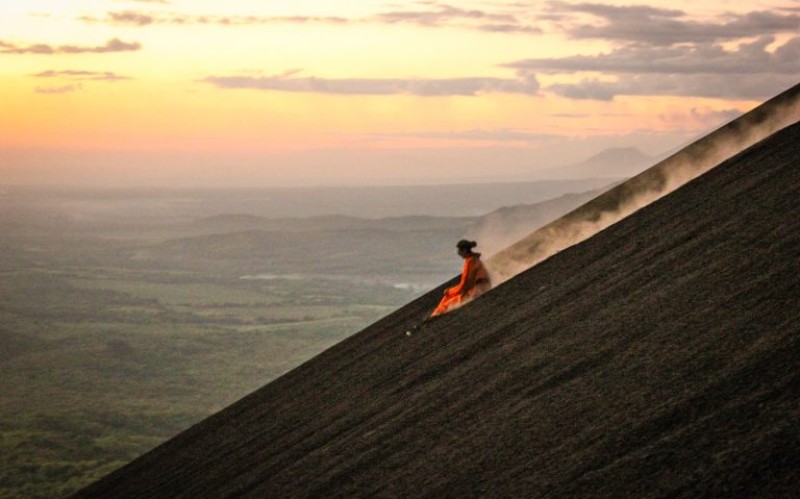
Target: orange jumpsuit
(474,282)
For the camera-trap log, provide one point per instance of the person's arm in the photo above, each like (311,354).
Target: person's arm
(467,275)
(470,275)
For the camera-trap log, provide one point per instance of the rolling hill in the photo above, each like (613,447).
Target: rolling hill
(330,245)
(658,358)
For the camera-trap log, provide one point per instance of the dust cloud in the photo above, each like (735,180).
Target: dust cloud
(652,184)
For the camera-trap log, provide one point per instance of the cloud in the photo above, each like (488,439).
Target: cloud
(749,71)
(477,135)
(58,90)
(447,15)
(442,15)
(752,86)
(129,17)
(665,27)
(82,75)
(747,58)
(630,24)
(133,18)
(526,83)
(113,45)
(438,15)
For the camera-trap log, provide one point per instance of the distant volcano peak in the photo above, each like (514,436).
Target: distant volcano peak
(626,154)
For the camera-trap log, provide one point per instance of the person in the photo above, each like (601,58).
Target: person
(474,280)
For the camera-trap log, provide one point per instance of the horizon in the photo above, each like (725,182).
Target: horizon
(136,189)
(190,94)
(123,204)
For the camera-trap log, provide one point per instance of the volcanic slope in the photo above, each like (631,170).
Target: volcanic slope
(660,357)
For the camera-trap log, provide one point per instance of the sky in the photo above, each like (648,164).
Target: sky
(309,92)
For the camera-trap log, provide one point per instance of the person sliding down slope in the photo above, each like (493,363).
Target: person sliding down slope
(474,280)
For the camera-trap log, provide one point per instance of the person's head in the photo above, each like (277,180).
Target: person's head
(465,247)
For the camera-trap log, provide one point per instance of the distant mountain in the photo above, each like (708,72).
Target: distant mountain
(616,163)
(324,244)
(204,211)
(235,223)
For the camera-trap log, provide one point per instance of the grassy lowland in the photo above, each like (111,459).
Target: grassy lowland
(117,334)
(125,321)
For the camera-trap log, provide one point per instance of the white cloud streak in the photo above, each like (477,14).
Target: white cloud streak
(753,87)
(630,24)
(750,71)
(446,15)
(134,18)
(748,58)
(469,86)
(66,89)
(436,16)
(80,75)
(113,45)
(665,27)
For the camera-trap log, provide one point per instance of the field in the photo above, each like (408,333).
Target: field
(126,320)
(98,366)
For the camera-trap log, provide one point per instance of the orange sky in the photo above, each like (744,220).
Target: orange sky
(244,92)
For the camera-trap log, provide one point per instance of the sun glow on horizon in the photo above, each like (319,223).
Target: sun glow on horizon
(246,78)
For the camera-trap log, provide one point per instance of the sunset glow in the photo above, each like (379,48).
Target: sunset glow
(202,92)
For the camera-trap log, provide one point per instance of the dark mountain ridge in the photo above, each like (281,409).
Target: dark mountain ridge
(319,245)
(658,358)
